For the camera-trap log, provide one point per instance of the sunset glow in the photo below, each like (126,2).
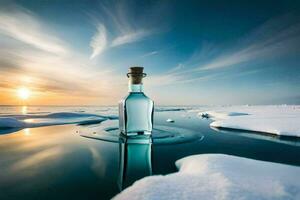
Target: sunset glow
(56,60)
(23,93)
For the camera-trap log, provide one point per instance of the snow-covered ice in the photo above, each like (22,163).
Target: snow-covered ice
(217,176)
(38,120)
(280,120)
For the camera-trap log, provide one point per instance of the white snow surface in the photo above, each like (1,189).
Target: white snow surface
(38,120)
(220,177)
(279,120)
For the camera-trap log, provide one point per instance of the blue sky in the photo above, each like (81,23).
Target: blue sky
(194,52)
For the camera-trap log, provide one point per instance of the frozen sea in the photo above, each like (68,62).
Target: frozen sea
(73,152)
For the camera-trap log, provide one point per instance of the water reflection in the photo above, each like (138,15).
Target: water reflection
(24,110)
(55,163)
(27,132)
(135,161)
(161,134)
(135,152)
(53,158)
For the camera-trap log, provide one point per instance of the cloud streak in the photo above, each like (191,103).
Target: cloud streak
(20,24)
(276,38)
(55,71)
(99,41)
(130,37)
(117,19)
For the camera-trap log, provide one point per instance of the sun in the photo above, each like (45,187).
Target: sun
(23,93)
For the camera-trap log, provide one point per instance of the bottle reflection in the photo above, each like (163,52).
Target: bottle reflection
(135,159)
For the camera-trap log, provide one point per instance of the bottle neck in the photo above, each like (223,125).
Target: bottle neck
(135,87)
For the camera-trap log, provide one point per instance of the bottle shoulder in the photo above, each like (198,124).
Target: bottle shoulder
(136,96)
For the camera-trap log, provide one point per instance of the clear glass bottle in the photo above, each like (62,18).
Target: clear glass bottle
(136,110)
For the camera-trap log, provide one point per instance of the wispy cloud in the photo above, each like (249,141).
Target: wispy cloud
(124,28)
(150,54)
(277,37)
(20,24)
(161,80)
(130,37)
(179,67)
(99,41)
(53,67)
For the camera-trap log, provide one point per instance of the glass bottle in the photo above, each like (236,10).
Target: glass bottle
(136,110)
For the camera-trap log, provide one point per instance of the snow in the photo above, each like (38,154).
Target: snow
(220,115)
(217,176)
(60,118)
(280,120)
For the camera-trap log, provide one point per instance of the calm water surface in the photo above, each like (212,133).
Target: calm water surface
(55,162)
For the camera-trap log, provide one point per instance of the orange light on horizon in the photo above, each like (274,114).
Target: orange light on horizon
(27,132)
(23,93)
(24,110)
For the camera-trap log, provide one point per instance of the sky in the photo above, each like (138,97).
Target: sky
(194,52)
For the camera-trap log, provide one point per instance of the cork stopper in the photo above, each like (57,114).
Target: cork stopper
(136,75)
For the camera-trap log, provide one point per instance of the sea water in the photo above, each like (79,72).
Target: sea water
(56,162)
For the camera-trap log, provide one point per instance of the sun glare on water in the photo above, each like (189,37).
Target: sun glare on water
(23,93)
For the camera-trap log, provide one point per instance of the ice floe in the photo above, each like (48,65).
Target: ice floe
(217,176)
(38,120)
(10,122)
(280,120)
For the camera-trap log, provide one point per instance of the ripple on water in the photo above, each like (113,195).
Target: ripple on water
(161,135)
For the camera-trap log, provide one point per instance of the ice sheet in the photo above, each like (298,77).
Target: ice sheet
(37,120)
(217,176)
(280,120)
